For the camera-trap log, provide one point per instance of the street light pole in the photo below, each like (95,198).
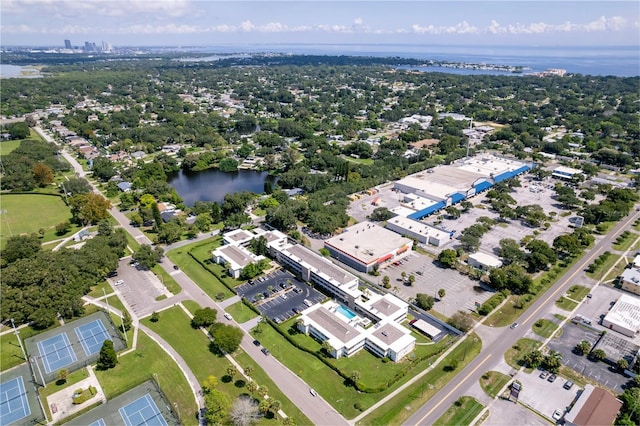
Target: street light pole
(35,361)
(17,333)
(104,292)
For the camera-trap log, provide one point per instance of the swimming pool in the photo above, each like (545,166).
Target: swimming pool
(345,312)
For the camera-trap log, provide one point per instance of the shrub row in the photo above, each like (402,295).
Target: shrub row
(492,302)
(599,261)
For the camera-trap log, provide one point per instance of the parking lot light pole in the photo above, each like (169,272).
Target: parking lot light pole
(17,333)
(104,292)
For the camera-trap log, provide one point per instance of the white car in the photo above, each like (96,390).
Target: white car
(313,392)
(119,282)
(557,415)
(227,316)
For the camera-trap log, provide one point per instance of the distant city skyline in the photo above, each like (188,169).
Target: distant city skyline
(206,23)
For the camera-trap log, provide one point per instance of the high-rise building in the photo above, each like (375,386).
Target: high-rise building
(67,44)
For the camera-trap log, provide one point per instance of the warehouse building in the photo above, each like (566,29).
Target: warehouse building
(366,246)
(443,186)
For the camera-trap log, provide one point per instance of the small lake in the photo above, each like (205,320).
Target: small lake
(213,185)
(17,71)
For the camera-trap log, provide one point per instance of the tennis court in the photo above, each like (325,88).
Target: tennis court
(56,352)
(13,401)
(142,411)
(91,336)
(99,422)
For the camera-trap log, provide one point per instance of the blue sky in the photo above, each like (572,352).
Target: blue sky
(203,22)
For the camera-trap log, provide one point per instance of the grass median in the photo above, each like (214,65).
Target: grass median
(202,277)
(462,412)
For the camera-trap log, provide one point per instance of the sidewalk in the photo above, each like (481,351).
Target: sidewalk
(61,403)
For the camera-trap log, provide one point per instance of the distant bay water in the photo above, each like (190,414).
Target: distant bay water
(622,61)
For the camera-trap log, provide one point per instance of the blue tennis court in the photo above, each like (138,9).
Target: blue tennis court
(99,422)
(13,401)
(91,336)
(142,411)
(56,352)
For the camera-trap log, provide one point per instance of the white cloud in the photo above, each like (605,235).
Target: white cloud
(357,22)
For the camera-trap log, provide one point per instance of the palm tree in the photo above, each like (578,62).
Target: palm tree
(412,279)
(232,371)
(275,407)
(395,290)
(248,370)
(441,293)
(252,387)
(355,376)
(263,390)
(264,406)
(404,276)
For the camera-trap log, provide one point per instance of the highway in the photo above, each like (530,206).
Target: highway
(315,408)
(492,352)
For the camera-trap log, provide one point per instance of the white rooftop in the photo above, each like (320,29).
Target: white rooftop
(625,313)
(367,242)
(486,259)
(418,227)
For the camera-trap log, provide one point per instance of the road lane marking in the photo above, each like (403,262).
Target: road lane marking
(453,390)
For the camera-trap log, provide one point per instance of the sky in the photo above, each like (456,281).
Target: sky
(211,22)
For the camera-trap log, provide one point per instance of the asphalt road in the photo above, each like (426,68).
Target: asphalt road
(493,353)
(315,408)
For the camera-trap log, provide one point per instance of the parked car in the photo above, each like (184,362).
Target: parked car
(256,342)
(265,351)
(568,384)
(514,325)
(544,375)
(176,267)
(313,392)
(227,316)
(552,378)
(557,415)
(119,282)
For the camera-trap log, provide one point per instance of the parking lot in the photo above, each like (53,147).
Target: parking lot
(139,288)
(279,295)
(462,293)
(543,396)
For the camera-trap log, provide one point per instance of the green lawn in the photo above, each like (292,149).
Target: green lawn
(96,290)
(192,306)
(115,302)
(10,352)
(20,216)
(578,292)
(566,304)
(406,402)
(240,312)
(624,241)
(72,378)
(263,379)
(462,412)
(544,328)
(175,327)
(514,354)
(492,382)
(166,279)
(327,382)
(201,276)
(140,366)
(365,161)
(8,146)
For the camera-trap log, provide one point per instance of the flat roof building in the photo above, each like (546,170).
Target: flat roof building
(483,261)
(563,172)
(347,333)
(314,268)
(425,234)
(624,316)
(366,245)
(630,279)
(237,237)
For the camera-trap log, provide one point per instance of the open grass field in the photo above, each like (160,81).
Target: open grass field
(139,366)
(191,305)
(566,304)
(515,353)
(10,352)
(578,292)
(492,382)
(201,276)
(462,412)
(167,279)
(23,214)
(175,327)
(96,290)
(544,328)
(240,312)
(8,146)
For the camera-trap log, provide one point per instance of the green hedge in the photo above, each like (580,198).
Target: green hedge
(84,395)
(487,307)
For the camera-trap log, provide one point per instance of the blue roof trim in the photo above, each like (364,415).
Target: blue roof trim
(456,197)
(482,186)
(426,212)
